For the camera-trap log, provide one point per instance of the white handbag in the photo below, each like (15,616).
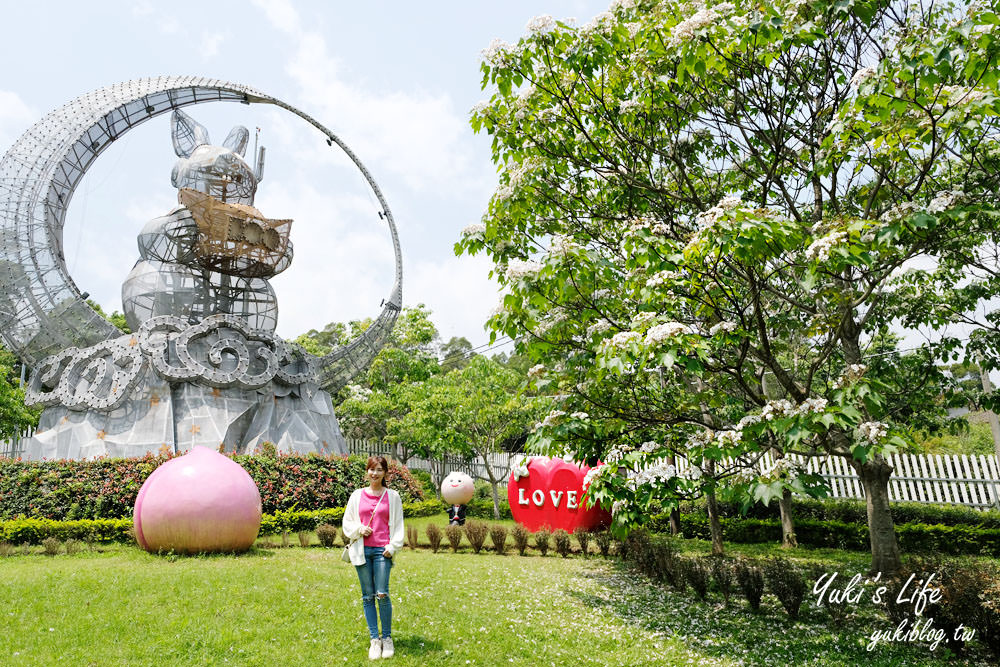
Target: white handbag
(345,555)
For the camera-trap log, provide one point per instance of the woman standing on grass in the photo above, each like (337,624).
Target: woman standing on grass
(375,513)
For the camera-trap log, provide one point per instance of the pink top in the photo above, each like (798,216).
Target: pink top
(380,524)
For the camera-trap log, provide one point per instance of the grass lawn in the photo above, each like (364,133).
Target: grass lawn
(302,606)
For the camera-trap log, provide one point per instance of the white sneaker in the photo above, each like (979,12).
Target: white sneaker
(375,650)
(387,648)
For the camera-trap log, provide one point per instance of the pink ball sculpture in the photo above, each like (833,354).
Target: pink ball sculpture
(198,503)
(457,488)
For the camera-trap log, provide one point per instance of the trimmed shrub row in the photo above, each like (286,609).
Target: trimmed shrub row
(106,488)
(854,511)
(35,531)
(970,592)
(913,537)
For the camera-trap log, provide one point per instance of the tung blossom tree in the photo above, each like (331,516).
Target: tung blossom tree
(712,216)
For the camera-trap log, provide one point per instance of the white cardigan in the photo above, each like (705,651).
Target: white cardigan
(353,525)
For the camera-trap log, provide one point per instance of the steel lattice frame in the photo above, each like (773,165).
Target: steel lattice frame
(42,311)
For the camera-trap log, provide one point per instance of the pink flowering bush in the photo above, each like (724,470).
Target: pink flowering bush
(106,488)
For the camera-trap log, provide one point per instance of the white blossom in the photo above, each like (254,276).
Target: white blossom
(861,76)
(504,192)
(945,200)
(519,467)
(553,418)
(563,245)
(498,52)
(851,374)
(617,453)
(582,416)
(621,5)
(594,473)
(962,95)
(541,25)
(686,29)
(633,30)
(748,420)
(623,338)
(727,327)
(517,269)
(648,447)
(599,23)
(899,211)
(811,406)
(701,438)
(474,230)
(779,468)
(821,247)
(600,326)
(479,107)
(536,371)
(662,332)
(660,471)
(692,472)
(728,438)
(781,407)
(661,278)
(627,105)
(641,318)
(358,393)
(707,219)
(873,432)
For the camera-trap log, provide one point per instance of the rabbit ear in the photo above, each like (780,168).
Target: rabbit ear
(187,133)
(237,140)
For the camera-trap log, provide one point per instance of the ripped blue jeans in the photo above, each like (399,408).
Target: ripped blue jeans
(374,576)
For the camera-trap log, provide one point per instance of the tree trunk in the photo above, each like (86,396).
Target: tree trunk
(714,525)
(874,476)
(675,513)
(788,539)
(494,482)
(437,475)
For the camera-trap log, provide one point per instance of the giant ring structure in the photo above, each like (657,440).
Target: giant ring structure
(215,376)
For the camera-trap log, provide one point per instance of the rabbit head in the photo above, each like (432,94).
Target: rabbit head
(219,171)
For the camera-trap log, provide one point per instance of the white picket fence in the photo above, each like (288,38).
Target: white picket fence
(973,481)
(12,448)
(923,478)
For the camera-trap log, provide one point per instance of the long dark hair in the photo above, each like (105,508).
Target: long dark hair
(379,461)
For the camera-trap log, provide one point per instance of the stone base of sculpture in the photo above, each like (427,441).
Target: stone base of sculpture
(171,387)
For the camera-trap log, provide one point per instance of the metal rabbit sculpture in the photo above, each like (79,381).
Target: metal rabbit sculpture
(203,365)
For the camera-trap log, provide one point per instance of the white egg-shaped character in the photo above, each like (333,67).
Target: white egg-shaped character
(457,488)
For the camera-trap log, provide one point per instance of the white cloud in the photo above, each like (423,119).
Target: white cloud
(417,135)
(15,117)
(210,43)
(343,265)
(457,291)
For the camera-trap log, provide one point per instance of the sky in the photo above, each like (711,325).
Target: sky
(394,80)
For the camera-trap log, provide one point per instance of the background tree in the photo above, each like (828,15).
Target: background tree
(15,417)
(456,353)
(383,393)
(471,412)
(696,200)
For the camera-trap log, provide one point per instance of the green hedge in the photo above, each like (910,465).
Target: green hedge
(854,511)
(106,488)
(33,531)
(913,537)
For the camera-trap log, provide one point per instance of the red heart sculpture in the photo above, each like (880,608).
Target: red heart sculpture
(551,495)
